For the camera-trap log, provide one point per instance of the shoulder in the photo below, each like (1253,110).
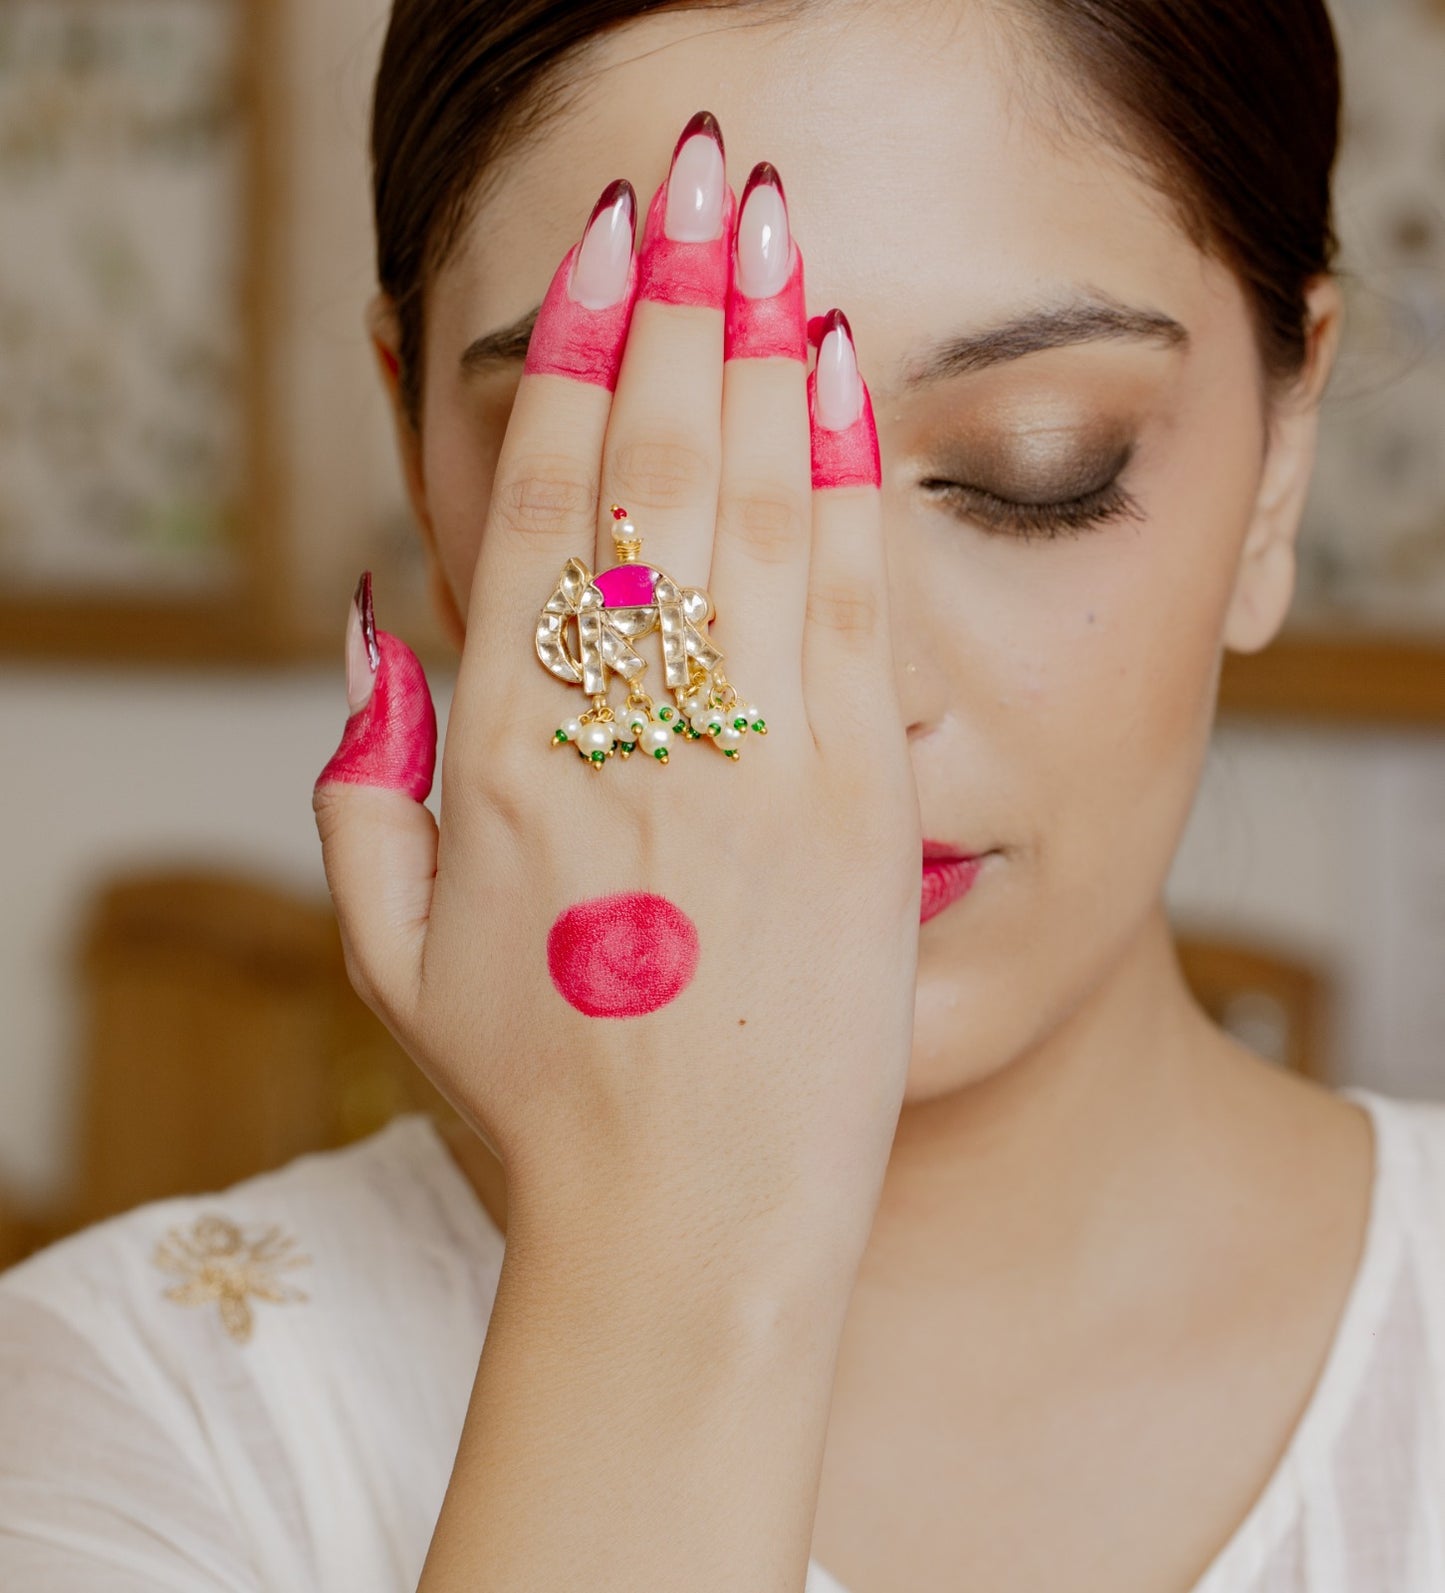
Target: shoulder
(1411,1136)
(1410,1181)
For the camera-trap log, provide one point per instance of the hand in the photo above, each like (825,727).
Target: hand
(687,990)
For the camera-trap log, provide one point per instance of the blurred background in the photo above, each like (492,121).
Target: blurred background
(195,464)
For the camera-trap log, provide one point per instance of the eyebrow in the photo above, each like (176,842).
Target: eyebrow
(1091,318)
(503,347)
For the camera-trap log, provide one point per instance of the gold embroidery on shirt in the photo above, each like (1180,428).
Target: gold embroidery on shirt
(217,1261)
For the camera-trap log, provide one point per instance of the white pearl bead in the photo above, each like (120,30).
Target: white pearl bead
(656,736)
(573,727)
(728,737)
(710,716)
(596,738)
(753,712)
(634,723)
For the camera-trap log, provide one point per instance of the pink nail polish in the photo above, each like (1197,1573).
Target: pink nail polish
(390,739)
(773,324)
(603,261)
(845,450)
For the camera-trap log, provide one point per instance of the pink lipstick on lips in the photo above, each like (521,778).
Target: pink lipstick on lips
(947,875)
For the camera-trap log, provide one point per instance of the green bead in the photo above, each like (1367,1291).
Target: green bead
(629,746)
(741,722)
(660,754)
(597,757)
(730,752)
(760,724)
(665,713)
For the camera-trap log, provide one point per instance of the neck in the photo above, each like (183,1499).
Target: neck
(1043,1167)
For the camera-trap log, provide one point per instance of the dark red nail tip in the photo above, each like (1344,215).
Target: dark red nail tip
(362,599)
(819,326)
(610,195)
(702,122)
(763,172)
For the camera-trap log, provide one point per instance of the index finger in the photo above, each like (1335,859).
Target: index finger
(543,507)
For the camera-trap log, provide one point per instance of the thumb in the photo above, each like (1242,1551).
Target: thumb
(378,842)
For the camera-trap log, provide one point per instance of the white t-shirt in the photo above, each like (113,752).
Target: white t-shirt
(263,1389)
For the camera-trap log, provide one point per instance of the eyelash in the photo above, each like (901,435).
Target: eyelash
(1038,521)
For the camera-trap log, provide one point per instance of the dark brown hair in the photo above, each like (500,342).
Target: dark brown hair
(1232,107)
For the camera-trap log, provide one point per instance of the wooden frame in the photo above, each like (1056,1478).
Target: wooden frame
(1339,680)
(247,623)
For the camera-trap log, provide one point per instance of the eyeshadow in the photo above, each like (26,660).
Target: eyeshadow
(1040,464)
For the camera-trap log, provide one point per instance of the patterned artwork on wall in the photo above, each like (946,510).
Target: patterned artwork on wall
(122,196)
(1373,550)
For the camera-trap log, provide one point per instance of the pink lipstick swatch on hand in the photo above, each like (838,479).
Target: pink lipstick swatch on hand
(571,340)
(392,740)
(623,955)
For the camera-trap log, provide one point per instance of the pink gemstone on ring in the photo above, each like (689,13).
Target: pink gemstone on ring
(626,585)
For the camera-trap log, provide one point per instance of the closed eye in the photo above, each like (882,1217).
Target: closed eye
(1031,521)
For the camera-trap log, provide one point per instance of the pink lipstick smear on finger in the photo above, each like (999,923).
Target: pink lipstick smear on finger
(688,230)
(578,337)
(766,316)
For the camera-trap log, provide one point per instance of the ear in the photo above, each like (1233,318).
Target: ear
(1265,581)
(383,327)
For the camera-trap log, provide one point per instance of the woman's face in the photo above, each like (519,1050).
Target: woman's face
(1058,691)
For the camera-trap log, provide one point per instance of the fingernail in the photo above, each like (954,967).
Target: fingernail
(843,435)
(393,743)
(766,314)
(581,327)
(696,182)
(840,391)
(604,259)
(362,654)
(764,242)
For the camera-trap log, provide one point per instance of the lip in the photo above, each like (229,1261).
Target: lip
(942,852)
(947,875)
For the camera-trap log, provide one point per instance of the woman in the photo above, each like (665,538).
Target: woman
(892,1230)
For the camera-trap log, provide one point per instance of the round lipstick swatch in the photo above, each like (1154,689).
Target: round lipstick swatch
(623,955)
